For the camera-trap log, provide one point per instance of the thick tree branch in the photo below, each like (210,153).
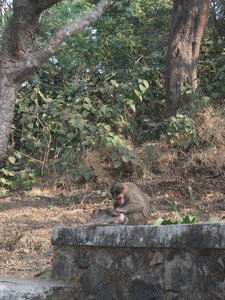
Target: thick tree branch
(21,27)
(41,5)
(71,29)
(36,59)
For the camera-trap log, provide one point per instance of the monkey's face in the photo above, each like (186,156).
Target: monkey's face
(119,198)
(118,192)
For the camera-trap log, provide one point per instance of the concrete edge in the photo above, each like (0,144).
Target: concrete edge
(207,235)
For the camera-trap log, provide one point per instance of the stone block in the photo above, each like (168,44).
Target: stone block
(34,289)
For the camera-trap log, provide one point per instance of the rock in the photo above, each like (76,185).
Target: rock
(30,289)
(145,287)
(90,281)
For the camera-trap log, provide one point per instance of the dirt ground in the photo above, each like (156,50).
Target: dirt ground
(27,218)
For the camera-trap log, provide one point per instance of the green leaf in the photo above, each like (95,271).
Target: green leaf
(5,172)
(145,82)
(169,222)
(193,219)
(3,192)
(137,93)
(180,220)
(149,148)
(158,152)
(125,158)
(186,220)
(134,161)
(221,69)
(161,221)
(216,219)
(18,154)
(173,205)
(142,88)
(117,163)
(12,159)
(185,144)
(215,95)
(133,154)
(87,106)
(158,221)
(3,180)
(133,107)
(41,95)
(115,156)
(30,125)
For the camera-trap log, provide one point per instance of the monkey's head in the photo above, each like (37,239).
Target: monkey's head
(118,192)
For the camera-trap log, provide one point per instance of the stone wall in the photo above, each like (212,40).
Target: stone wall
(142,262)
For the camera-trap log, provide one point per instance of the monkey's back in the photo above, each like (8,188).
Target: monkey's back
(136,195)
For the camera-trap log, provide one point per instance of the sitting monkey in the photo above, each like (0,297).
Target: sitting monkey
(130,207)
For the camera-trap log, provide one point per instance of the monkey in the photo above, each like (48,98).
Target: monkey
(131,201)
(129,207)
(107,217)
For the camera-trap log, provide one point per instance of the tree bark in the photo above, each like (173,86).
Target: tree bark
(188,23)
(17,59)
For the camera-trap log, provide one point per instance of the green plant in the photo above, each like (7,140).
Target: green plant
(187,219)
(212,219)
(123,155)
(24,179)
(12,176)
(152,152)
(181,130)
(82,172)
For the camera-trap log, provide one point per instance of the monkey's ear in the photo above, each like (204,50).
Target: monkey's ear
(125,188)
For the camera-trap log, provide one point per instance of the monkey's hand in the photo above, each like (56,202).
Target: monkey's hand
(112,212)
(119,210)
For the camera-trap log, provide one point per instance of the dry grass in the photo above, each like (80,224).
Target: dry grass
(97,162)
(211,128)
(209,156)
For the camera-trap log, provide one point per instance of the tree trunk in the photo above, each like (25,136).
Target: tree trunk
(8,93)
(18,60)
(188,23)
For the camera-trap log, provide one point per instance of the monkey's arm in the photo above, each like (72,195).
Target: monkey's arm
(131,208)
(112,212)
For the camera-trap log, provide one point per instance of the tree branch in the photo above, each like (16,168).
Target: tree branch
(36,59)
(21,27)
(41,5)
(71,29)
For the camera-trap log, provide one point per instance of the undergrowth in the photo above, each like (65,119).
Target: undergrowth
(111,128)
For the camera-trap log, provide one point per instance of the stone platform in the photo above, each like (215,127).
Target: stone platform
(142,262)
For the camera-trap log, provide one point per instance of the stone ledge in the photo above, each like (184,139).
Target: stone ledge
(12,288)
(196,236)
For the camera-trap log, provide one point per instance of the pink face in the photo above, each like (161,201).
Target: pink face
(120,199)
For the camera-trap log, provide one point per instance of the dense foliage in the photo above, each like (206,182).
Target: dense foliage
(104,90)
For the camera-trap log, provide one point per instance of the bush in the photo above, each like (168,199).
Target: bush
(181,131)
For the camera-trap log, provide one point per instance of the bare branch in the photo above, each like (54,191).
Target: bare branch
(71,29)
(21,27)
(36,59)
